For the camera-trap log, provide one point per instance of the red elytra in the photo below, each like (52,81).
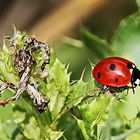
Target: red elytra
(116,72)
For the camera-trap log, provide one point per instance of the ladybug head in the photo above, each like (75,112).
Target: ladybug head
(135,78)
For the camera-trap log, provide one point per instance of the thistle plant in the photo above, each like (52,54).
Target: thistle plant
(71,110)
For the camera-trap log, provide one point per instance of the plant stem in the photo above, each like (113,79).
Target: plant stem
(126,134)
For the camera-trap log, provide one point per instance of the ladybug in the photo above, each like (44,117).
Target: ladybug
(116,74)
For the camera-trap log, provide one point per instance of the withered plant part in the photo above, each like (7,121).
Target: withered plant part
(24,61)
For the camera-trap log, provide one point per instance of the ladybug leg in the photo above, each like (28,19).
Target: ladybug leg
(124,88)
(134,84)
(127,88)
(112,91)
(104,89)
(127,91)
(115,95)
(108,90)
(133,90)
(101,91)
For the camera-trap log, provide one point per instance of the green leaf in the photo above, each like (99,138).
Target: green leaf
(60,76)
(57,88)
(126,39)
(99,47)
(7,70)
(95,113)
(83,128)
(54,135)
(79,91)
(31,130)
(138,3)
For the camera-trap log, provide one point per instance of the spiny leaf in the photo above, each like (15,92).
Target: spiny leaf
(54,135)
(31,130)
(83,128)
(79,91)
(7,70)
(96,111)
(57,88)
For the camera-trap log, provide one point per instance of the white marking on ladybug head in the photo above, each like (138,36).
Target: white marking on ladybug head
(133,66)
(137,82)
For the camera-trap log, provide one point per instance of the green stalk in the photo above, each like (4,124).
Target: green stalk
(126,134)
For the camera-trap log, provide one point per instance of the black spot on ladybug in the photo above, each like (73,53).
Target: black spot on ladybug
(116,80)
(129,65)
(99,75)
(112,67)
